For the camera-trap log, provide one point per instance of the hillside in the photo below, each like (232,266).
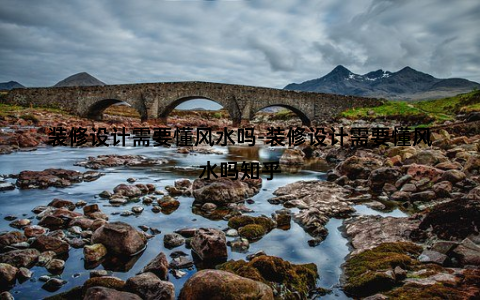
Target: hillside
(6,86)
(438,110)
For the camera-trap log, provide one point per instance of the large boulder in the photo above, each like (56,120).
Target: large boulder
(120,238)
(210,244)
(150,287)
(221,285)
(225,190)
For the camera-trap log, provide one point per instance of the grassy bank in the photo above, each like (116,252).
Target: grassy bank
(422,112)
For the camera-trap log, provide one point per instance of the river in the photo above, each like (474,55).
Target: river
(290,245)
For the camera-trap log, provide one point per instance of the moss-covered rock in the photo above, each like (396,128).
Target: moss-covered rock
(435,291)
(371,271)
(240,221)
(281,275)
(252,232)
(106,281)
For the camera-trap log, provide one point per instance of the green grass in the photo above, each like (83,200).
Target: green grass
(426,112)
(452,105)
(389,109)
(21,111)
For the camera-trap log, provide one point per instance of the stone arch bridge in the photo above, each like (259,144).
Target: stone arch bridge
(157,100)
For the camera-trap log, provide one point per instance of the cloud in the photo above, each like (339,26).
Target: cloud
(260,42)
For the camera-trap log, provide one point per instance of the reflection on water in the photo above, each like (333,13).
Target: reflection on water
(290,245)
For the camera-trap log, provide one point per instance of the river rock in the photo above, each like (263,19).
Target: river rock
(210,244)
(358,167)
(61,203)
(150,287)
(453,220)
(34,231)
(158,266)
(55,266)
(379,177)
(94,253)
(216,284)
(279,274)
(6,186)
(431,256)
(172,240)
(103,293)
(49,243)
(366,232)
(120,238)
(20,258)
(115,160)
(8,274)
(20,223)
(128,190)
(318,202)
(453,176)
(181,262)
(292,157)
(52,177)
(468,253)
(12,237)
(225,190)
(419,172)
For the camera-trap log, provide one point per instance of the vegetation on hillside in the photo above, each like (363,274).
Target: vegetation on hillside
(425,112)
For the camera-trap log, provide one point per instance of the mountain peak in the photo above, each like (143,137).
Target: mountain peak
(6,86)
(407,83)
(80,79)
(340,71)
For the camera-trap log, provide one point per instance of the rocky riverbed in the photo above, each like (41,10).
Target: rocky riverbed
(378,222)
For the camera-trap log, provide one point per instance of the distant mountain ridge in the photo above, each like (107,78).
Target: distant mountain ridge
(406,84)
(80,79)
(6,86)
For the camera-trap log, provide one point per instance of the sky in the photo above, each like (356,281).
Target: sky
(252,42)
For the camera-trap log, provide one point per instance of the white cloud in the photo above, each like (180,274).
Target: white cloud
(246,42)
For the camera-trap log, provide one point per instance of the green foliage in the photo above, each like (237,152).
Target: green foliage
(452,105)
(389,109)
(426,112)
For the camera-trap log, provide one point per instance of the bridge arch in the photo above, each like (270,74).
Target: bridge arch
(96,109)
(305,119)
(230,106)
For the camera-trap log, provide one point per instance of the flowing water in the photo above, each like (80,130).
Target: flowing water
(289,244)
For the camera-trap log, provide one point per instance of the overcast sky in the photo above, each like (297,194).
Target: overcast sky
(264,43)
